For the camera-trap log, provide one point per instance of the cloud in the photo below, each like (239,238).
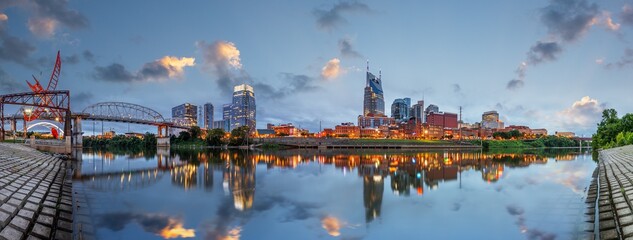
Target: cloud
(165,68)
(14,49)
(48,15)
(292,84)
(332,18)
(544,51)
(168,67)
(347,50)
(456,88)
(331,69)
(514,210)
(518,82)
(89,56)
(626,16)
(566,21)
(625,60)
(584,113)
(9,85)
(81,98)
(221,57)
(599,61)
(569,19)
(3,17)
(114,73)
(42,27)
(72,59)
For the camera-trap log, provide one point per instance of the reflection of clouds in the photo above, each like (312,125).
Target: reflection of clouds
(161,225)
(332,225)
(530,233)
(233,234)
(570,175)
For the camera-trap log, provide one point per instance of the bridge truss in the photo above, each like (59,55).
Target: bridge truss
(57,101)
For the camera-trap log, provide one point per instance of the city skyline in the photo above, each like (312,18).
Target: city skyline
(515,58)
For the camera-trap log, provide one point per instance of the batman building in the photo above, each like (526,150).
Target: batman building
(374,102)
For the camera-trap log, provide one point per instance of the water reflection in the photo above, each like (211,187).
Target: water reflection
(410,175)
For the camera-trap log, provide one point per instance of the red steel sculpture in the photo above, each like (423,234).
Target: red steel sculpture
(46,101)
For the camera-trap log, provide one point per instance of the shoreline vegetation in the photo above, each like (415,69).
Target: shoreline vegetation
(613,131)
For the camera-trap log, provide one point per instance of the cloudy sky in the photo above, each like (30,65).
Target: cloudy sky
(546,64)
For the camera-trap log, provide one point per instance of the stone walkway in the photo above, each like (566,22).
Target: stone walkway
(35,195)
(610,196)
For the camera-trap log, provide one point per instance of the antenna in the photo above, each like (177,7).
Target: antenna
(367,65)
(380,74)
(460,113)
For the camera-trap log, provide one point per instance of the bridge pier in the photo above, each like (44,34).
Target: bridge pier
(77,133)
(162,140)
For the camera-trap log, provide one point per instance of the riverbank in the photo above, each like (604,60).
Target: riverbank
(35,194)
(609,199)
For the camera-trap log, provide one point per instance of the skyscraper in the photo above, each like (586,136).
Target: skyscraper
(432,108)
(400,109)
(417,112)
(243,107)
(208,115)
(374,102)
(491,120)
(187,112)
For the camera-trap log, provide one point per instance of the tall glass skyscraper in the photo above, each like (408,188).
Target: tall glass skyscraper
(208,115)
(185,112)
(374,101)
(400,109)
(243,107)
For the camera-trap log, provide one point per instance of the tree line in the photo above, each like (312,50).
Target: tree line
(613,131)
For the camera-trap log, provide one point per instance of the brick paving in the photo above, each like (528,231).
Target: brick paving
(610,197)
(35,195)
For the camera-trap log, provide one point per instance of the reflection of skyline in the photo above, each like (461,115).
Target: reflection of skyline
(373,188)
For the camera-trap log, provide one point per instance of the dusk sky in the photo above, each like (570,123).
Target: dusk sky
(545,64)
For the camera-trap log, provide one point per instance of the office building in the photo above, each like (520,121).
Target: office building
(400,109)
(373,102)
(208,115)
(223,124)
(432,108)
(417,112)
(444,120)
(186,112)
(490,120)
(243,107)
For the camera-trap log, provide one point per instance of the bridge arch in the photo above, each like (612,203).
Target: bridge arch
(123,112)
(47,124)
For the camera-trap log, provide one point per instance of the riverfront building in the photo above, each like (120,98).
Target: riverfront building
(400,109)
(186,112)
(208,115)
(243,107)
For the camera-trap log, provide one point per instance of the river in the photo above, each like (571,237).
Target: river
(311,194)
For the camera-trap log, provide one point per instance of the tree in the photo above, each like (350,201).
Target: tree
(214,137)
(149,140)
(515,134)
(184,136)
(239,135)
(195,132)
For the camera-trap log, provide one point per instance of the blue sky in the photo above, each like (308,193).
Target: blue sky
(306,59)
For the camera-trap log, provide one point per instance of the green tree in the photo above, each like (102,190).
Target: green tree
(184,136)
(239,135)
(214,137)
(195,132)
(149,140)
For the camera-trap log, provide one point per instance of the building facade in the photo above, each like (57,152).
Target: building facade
(243,108)
(417,112)
(187,112)
(444,120)
(400,109)
(208,115)
(223,124)
(375,122)
(432,108)
(490,120)
(374,101)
